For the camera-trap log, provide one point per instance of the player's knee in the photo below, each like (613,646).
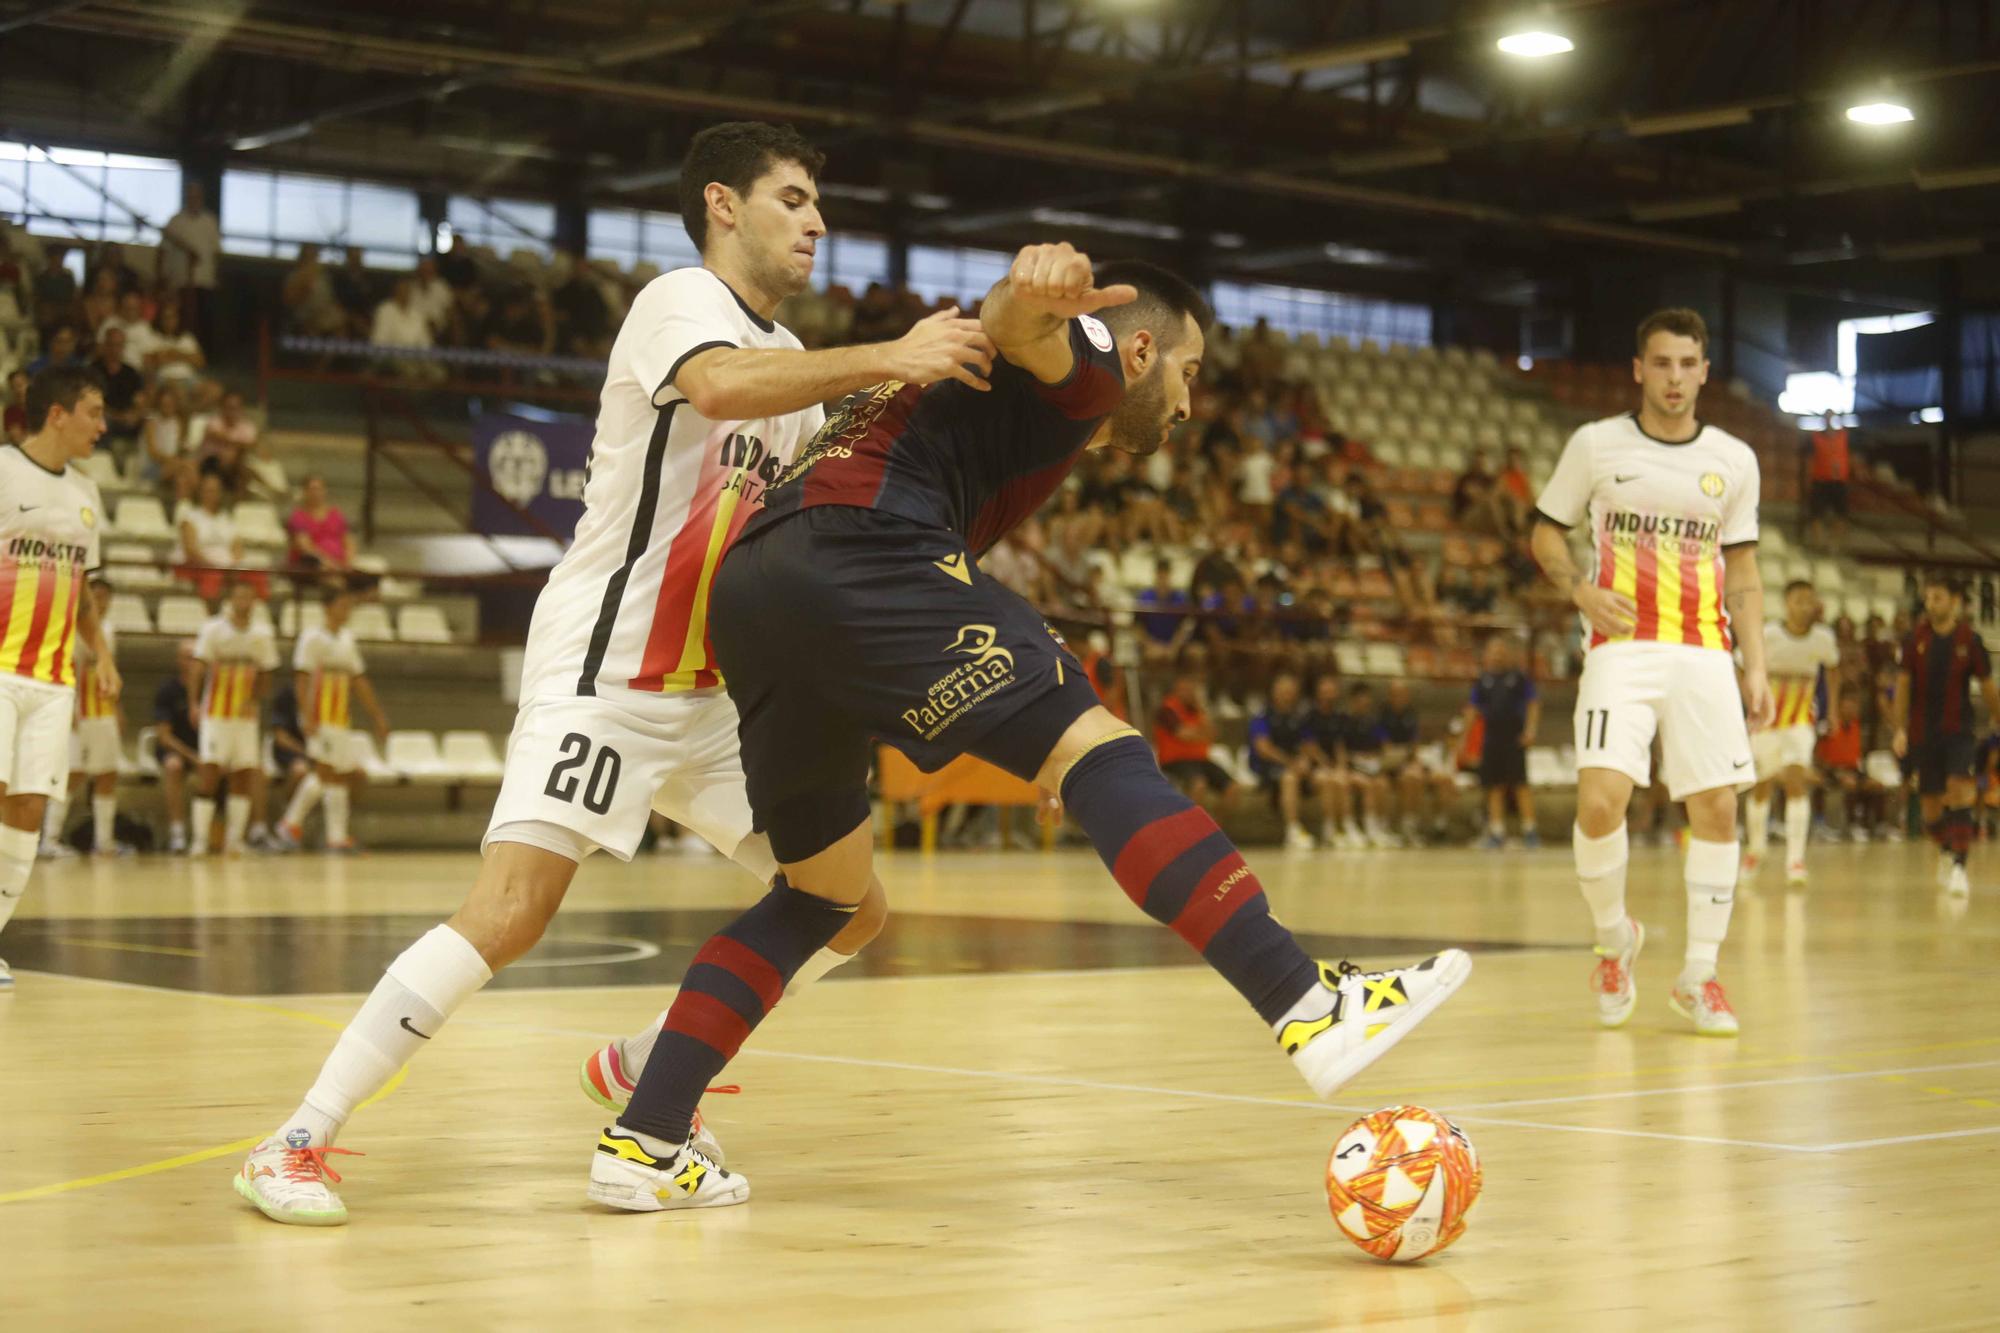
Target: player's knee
(867,921)
(1599,812)
(1712,814)
(509,908)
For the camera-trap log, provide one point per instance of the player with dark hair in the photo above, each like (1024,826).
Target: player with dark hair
(706,400)
(1800,652)
(853,607)
(1934,738)
(49,544)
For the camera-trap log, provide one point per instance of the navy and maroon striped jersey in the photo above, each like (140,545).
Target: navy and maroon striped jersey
(1942,668)
(948,456)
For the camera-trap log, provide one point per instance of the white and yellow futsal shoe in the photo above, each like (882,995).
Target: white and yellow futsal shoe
(623,1174)
(609,1076)
(1611,981)
(1366,1014)
(1706,1005)
(289,1184)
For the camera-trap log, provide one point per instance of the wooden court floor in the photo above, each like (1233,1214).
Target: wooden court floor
(1026,1112)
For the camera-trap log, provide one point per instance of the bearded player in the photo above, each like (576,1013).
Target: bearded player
(1798,652)
(865,562)
(49,545)
(1672,585)
(706,399)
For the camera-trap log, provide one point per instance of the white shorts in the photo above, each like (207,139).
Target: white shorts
(1783,748)
(34,737)
(230,743)
(1688,694)
(97,745)
(339,748)
(582,775)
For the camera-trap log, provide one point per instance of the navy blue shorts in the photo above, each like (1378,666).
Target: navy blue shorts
(1933,762)
(838,627)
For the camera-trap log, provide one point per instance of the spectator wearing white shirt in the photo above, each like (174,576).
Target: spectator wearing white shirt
(434,297)
(140,336)
(190,245)
(176,356)
(209,544)
(401,322)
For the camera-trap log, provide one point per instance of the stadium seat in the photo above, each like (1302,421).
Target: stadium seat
(371,624)
(179,613)
(1771,541)
(393,589)
(257,524)
(1384,659)
(1545,767)
(420,622)
(414,755)
(260,618)
(141,518)
(367,562)
(470,756)
(131,566)
(296,617)
(1349,658)
(1827,576)
(1884,768)
(371,762)
(128,615)
(102,468)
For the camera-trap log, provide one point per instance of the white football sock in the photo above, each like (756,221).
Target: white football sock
(1317,999)
(103,823)
(816,967)
(1756,825)
(1798,826)
(1600,873)
(17,862)
(1711,893)
(303,800)
(201,822)
(336,813)
(409,1004)
(235,818)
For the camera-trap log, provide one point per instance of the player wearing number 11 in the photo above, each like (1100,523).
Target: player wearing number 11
(1672,584)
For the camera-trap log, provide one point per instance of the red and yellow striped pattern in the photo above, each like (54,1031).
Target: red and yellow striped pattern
(1797,701)
(38,605)
(1678,592)
(232,690)
(678,656)
(330,692)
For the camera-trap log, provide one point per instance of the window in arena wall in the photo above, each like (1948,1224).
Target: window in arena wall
(77,194)
(851,262)
(503,225)
(1298,310)
(955,272)
(270,214)
(630,236)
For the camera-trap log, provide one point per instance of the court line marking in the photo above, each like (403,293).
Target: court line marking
(1907,1138)
(1730,1087)
(171,950)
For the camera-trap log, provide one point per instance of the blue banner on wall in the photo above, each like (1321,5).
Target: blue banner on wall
(537,463)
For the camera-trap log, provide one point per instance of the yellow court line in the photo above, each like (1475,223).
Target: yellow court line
(174,950)
(205,1154)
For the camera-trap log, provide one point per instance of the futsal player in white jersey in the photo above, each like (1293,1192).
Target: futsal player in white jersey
(1672,585)
(331,675)
(234,654)
(99,736)
(705,401)
(1797,653)
(49,544)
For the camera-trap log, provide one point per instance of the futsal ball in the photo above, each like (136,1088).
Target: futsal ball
(1401,1181)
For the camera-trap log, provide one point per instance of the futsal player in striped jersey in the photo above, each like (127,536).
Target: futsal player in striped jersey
(233,658)
(706,400)
(49,545)
(1799,653)
(331,675)
(1672,586)
(99,735)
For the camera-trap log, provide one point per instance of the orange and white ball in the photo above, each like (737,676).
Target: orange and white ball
(1400,1182)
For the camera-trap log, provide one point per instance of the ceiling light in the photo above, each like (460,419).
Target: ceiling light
(1880,113)
(1535,43)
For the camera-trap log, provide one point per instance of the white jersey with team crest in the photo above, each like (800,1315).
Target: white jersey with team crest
(50,529)
(234,658)
(330,659)
(1661,514)
(625,612)
(1793,662)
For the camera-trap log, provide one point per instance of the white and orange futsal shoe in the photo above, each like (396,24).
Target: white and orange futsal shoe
(1611,981)
(1706,1005)
(289,1184)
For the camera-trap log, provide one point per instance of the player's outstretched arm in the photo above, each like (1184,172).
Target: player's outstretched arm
(741,383)
(1743,595)
(1027,313)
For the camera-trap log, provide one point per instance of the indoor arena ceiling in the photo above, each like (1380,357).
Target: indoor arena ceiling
(1380,143)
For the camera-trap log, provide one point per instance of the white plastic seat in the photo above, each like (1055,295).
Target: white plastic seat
(392,589)
(102,468)
(128,615)
(470,756)
(1884,768)
(130,567)
(1350,659)
(370,760)
(1827,576)
(179,613)
(141,518)
(1384,659)
(420,622)
(296,617)
(1544,767)
(257,524)
(371,624)
(415,755)
(366,562)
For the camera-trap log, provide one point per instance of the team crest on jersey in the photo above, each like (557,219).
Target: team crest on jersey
(1711,485)
(1093,329)
(88,515)
(955,693)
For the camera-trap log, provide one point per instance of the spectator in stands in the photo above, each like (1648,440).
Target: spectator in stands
(1829,470)
(434,297)
(1253,469)
(1841,755)
(1104,675)
(230,446)
(100,300)
(525,324)
(209,544)
(310,306)
(319,536)
(400,322)
(1514,479)
(166,460)
(55,293)
(111,259)
(176,356)
(58,349)
(1508,711)
(190,254)
(583,320)
(1162,614)
(354,290)
(1262,355)
(1333,780)
(1183,736)
(14,426)
(139,334)
(124,393)
(1480,505)
(177,741)
(1073,578)
(1401,733)
(1300,514)
(1282,754)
